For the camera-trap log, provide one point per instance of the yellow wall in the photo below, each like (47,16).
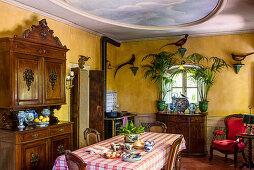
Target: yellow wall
(15,20)
(231,93)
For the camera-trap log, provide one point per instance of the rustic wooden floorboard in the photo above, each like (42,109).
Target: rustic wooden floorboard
(218,163)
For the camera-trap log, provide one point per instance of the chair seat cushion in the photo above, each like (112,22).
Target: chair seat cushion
(227,145)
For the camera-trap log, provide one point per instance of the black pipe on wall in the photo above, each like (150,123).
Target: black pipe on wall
(104,42)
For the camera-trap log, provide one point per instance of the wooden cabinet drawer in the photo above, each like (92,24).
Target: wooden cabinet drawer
(39,50)
(34,135)
(171,118)
(60,130)
(178,118)
(197,119)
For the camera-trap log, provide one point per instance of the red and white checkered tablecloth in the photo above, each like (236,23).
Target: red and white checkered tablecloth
(150,160)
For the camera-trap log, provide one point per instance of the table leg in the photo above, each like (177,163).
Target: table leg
(178,161)
(249,164)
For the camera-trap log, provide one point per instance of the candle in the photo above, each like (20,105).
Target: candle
(68,78)
(71,73)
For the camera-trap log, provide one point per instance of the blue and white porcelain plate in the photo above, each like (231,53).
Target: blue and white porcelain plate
(131,157)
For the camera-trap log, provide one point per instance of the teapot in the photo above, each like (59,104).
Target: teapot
(149,145)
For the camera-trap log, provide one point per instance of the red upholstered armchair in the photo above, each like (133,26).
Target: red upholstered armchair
(231,145)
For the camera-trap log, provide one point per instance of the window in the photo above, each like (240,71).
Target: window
(183,84)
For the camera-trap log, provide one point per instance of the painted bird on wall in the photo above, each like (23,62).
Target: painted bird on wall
(130,62)
(82,60)
(179,43)
(240,58)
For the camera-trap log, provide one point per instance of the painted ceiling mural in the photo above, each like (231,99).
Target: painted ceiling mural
(148,12)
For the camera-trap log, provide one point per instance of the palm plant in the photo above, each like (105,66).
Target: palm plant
(156,70)
(204,73)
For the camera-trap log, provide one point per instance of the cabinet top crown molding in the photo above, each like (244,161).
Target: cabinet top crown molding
(41,33)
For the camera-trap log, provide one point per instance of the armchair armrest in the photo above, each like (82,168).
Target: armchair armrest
(217,133)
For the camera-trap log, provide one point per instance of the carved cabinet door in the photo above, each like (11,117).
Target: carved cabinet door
(54,78)
(58,145)
(28,79)
(35,156)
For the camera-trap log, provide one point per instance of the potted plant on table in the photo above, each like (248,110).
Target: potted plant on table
(156,70)
(205,74)
(130,132)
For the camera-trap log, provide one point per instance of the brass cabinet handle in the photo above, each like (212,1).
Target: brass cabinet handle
(42,51)
(61,130)
(35,135)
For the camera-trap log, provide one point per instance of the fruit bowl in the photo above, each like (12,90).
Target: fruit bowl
(111,155)
(41,124)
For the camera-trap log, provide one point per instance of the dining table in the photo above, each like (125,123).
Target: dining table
(155,159)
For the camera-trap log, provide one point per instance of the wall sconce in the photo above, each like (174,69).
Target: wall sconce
(182,51)
(134,70)
(109,65)
(239,59)
(181,66)
(69,79)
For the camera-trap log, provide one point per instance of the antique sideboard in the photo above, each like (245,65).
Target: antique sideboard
(34,147)
(192,126)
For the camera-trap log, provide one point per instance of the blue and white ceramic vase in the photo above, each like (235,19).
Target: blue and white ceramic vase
(171,107)
(30,115)
(45,112)
(21,117)
(130,138)
(192,108)
(181,104)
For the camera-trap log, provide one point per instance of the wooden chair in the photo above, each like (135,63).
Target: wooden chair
(230,145)
(155,127)
(91,136)
(174,154)
(74,162)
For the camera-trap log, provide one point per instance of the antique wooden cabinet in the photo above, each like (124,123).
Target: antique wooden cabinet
(32,73)
(34,148)
(32,77)
(193,127)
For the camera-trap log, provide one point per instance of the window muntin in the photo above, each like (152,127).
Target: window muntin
(183,84)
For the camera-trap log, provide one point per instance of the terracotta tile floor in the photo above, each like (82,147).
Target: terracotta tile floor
(218,163)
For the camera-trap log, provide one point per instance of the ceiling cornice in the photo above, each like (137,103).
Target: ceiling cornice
(194,35)
(118,33)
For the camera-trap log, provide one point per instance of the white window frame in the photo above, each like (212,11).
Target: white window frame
(184,83)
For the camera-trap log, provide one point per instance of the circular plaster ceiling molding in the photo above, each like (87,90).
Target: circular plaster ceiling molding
(145,14)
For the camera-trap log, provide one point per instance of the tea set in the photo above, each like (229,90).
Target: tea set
(131,156)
